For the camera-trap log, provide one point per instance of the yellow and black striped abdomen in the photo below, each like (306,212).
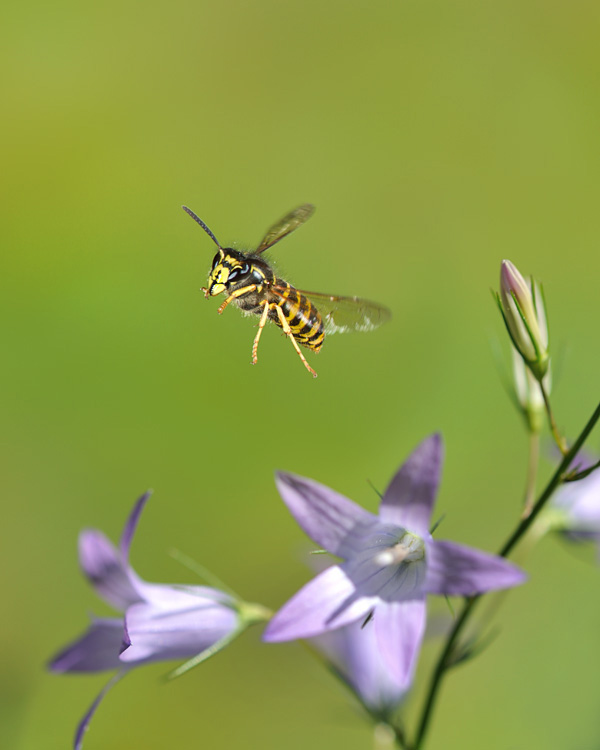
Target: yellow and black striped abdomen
(303,317)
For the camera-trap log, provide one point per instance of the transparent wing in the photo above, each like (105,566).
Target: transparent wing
(285,226)
(347,314)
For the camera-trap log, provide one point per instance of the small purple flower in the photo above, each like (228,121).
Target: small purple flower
(161,621)
(574,510)
(391,562)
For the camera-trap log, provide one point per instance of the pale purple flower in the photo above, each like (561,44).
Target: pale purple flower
(160,621)
(574,510)
(390,562)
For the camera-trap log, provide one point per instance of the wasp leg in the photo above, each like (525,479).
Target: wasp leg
(288,332)
(236,294)
(261,325)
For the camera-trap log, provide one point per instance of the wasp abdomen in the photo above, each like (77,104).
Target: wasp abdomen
(302,316)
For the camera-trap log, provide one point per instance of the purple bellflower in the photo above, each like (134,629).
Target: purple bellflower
(390,563)
(160,621)
(574,509)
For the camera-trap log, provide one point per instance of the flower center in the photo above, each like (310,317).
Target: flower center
(409,548)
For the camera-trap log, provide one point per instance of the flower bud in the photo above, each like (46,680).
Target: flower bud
(529,393)
(522,308)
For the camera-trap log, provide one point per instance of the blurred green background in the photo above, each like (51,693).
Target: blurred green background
(435,139)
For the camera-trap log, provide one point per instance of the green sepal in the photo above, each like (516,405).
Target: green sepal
(206,654)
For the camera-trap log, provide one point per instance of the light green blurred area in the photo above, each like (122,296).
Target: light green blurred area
(435,139)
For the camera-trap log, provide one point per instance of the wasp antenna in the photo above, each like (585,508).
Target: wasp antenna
(203,225)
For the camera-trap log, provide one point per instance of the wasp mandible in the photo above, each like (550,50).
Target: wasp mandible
(305,317)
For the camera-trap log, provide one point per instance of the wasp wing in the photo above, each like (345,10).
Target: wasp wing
(347,314)
(285,226)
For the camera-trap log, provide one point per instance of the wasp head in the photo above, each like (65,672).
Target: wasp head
(229,269)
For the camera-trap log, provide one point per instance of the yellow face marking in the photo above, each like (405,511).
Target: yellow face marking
(220,274)
(216,289)
(217,279)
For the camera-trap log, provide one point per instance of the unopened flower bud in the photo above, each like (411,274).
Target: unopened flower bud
(529,393)
(522,308)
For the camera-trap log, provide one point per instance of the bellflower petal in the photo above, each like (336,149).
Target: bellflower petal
(105,570)
(330,519)
(159,633)
(455,570)
(96,650)
(400,627)
(173,597)
(409,499)
(354,652)
(327,602)
(131,526)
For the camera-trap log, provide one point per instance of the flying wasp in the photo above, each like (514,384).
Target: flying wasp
(305,317)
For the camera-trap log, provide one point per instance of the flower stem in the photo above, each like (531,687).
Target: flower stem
(445,661)
(532,467)
(558,438)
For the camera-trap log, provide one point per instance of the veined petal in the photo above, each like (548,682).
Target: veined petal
(131,525)
(97,649)
(173,596)
(455,570)
(335,523)
(157,633)
(102,565)
(400,627)
(409,499)
(327,602)
(355,653)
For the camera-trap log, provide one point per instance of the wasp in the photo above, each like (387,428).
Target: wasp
(305,317)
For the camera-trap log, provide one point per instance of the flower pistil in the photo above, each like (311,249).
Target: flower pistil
(408,549)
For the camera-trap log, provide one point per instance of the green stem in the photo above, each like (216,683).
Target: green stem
(534,458)
(444,662)
(558,438)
